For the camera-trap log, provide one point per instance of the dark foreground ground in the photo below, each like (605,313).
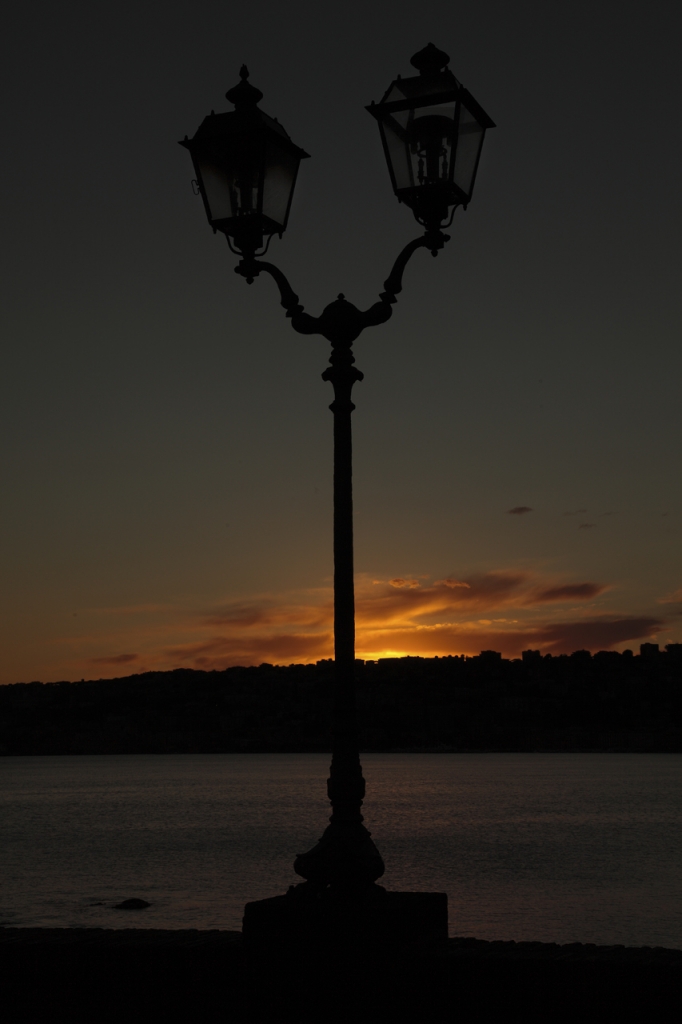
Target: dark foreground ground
(99,976)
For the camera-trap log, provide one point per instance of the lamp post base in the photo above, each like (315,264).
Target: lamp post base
(344,857)
(336,918)
(337,955)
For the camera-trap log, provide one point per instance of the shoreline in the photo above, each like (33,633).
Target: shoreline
(137,974)
(18,936)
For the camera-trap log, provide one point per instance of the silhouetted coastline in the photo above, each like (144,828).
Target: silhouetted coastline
(580,702)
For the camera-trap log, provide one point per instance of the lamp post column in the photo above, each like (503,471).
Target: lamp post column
(346,786)
(345,856)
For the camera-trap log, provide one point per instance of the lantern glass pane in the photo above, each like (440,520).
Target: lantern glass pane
(420,144)
(431,134)
(281,167)
(468,148)
(219,188)
(231,186)
(398,151)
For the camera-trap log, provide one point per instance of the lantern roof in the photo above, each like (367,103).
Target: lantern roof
(435,83)
(430,60)
(246,119)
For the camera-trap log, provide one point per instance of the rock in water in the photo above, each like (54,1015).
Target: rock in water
(133,904)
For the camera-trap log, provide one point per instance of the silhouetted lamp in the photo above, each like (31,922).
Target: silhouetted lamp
(246,167)
(432,131)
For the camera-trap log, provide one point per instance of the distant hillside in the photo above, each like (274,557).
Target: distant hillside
(609,701)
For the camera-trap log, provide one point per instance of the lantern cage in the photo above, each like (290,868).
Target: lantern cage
(432,130)
(246,167)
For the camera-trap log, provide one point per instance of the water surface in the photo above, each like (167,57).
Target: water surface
(550,847)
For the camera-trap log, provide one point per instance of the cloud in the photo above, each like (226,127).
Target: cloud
(674,598)
(224,651)
(578,511)
(390,603)
(518,510)
(273,614)
(115,659)
(400,615)
(596,633)
(483,591)
(586,526)
(508,610)
(129,609)
(571,592)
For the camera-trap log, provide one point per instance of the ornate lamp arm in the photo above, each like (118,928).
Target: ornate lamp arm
(341,321)
(433,240)
(250,268)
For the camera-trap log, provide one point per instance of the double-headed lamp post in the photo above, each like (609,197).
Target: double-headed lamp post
(432,130)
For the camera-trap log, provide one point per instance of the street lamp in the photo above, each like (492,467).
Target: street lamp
(246,165)
(432,130)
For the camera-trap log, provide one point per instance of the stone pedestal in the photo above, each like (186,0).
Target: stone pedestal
(335,955)
(329,918)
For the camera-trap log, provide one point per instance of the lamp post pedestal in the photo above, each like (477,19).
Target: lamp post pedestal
(337,955)
(336,919)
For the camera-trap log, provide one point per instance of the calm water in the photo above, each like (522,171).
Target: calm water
(555,847)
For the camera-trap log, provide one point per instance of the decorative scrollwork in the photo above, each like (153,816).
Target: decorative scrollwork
(341,322)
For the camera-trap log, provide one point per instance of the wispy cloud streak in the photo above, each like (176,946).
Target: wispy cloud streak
(507,610)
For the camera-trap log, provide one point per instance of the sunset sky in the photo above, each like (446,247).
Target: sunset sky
(166,439)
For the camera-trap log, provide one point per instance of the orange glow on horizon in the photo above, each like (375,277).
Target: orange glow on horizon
(507,611)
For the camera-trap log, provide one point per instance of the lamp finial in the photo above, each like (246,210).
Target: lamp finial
(430,60)
(244,94)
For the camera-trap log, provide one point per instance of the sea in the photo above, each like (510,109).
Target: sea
(532,847)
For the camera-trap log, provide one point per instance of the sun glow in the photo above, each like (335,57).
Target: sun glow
(377,655)
(401,616)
